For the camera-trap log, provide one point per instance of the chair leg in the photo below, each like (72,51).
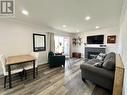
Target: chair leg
(37,70)
(21,75)
(25,74)
(5,79)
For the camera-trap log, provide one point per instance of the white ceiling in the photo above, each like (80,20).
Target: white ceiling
(72,13)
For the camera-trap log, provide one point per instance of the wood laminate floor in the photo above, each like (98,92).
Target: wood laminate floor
(55,81)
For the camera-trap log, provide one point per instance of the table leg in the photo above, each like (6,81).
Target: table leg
(34,71)
(9,75)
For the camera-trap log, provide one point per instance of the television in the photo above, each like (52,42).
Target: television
(97,39)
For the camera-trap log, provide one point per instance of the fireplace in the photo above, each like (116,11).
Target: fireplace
(91,52)
(92,55)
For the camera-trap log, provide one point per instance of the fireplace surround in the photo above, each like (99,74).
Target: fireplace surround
(92,52)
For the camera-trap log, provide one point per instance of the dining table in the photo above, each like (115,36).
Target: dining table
(19,59)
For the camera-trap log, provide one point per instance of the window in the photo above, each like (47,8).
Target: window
(62,45)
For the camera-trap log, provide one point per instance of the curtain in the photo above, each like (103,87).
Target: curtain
(52,42)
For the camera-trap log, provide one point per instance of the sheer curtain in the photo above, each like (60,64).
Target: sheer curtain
(52,42)
(59,48)
(67,46)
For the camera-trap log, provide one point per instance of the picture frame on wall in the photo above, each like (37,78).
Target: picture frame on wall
(111,39)
(39,42)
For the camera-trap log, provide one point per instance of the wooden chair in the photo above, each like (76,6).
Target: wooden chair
(29,65)
(15,69)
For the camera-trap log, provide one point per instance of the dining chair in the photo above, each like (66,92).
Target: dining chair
(29,65)
(14,69)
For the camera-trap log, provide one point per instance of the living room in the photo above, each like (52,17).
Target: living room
(66,29)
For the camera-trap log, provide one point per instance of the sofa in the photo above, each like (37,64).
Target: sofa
(100,72)
(55,60)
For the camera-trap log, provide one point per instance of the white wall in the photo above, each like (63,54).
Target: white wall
(105,32)
(123,43)
(17,38)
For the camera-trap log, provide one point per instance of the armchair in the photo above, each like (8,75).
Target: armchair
(55,60)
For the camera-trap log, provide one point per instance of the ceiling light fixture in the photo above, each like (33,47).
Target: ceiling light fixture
(88,18)
(25,12)
(97,27)
(64,26)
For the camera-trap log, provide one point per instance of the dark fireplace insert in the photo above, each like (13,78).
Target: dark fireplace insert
(92,55)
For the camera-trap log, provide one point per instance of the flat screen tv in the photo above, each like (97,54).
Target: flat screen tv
(97,39)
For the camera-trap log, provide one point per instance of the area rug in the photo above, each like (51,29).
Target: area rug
(74,60)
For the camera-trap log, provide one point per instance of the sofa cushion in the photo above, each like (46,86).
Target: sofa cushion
(92,61)
(98,64)
(101,56)
(109,64)
(110,55)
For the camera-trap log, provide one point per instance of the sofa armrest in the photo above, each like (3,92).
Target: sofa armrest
(97,71)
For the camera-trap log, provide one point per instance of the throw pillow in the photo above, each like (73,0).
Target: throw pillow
(98,64)
(101,56)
